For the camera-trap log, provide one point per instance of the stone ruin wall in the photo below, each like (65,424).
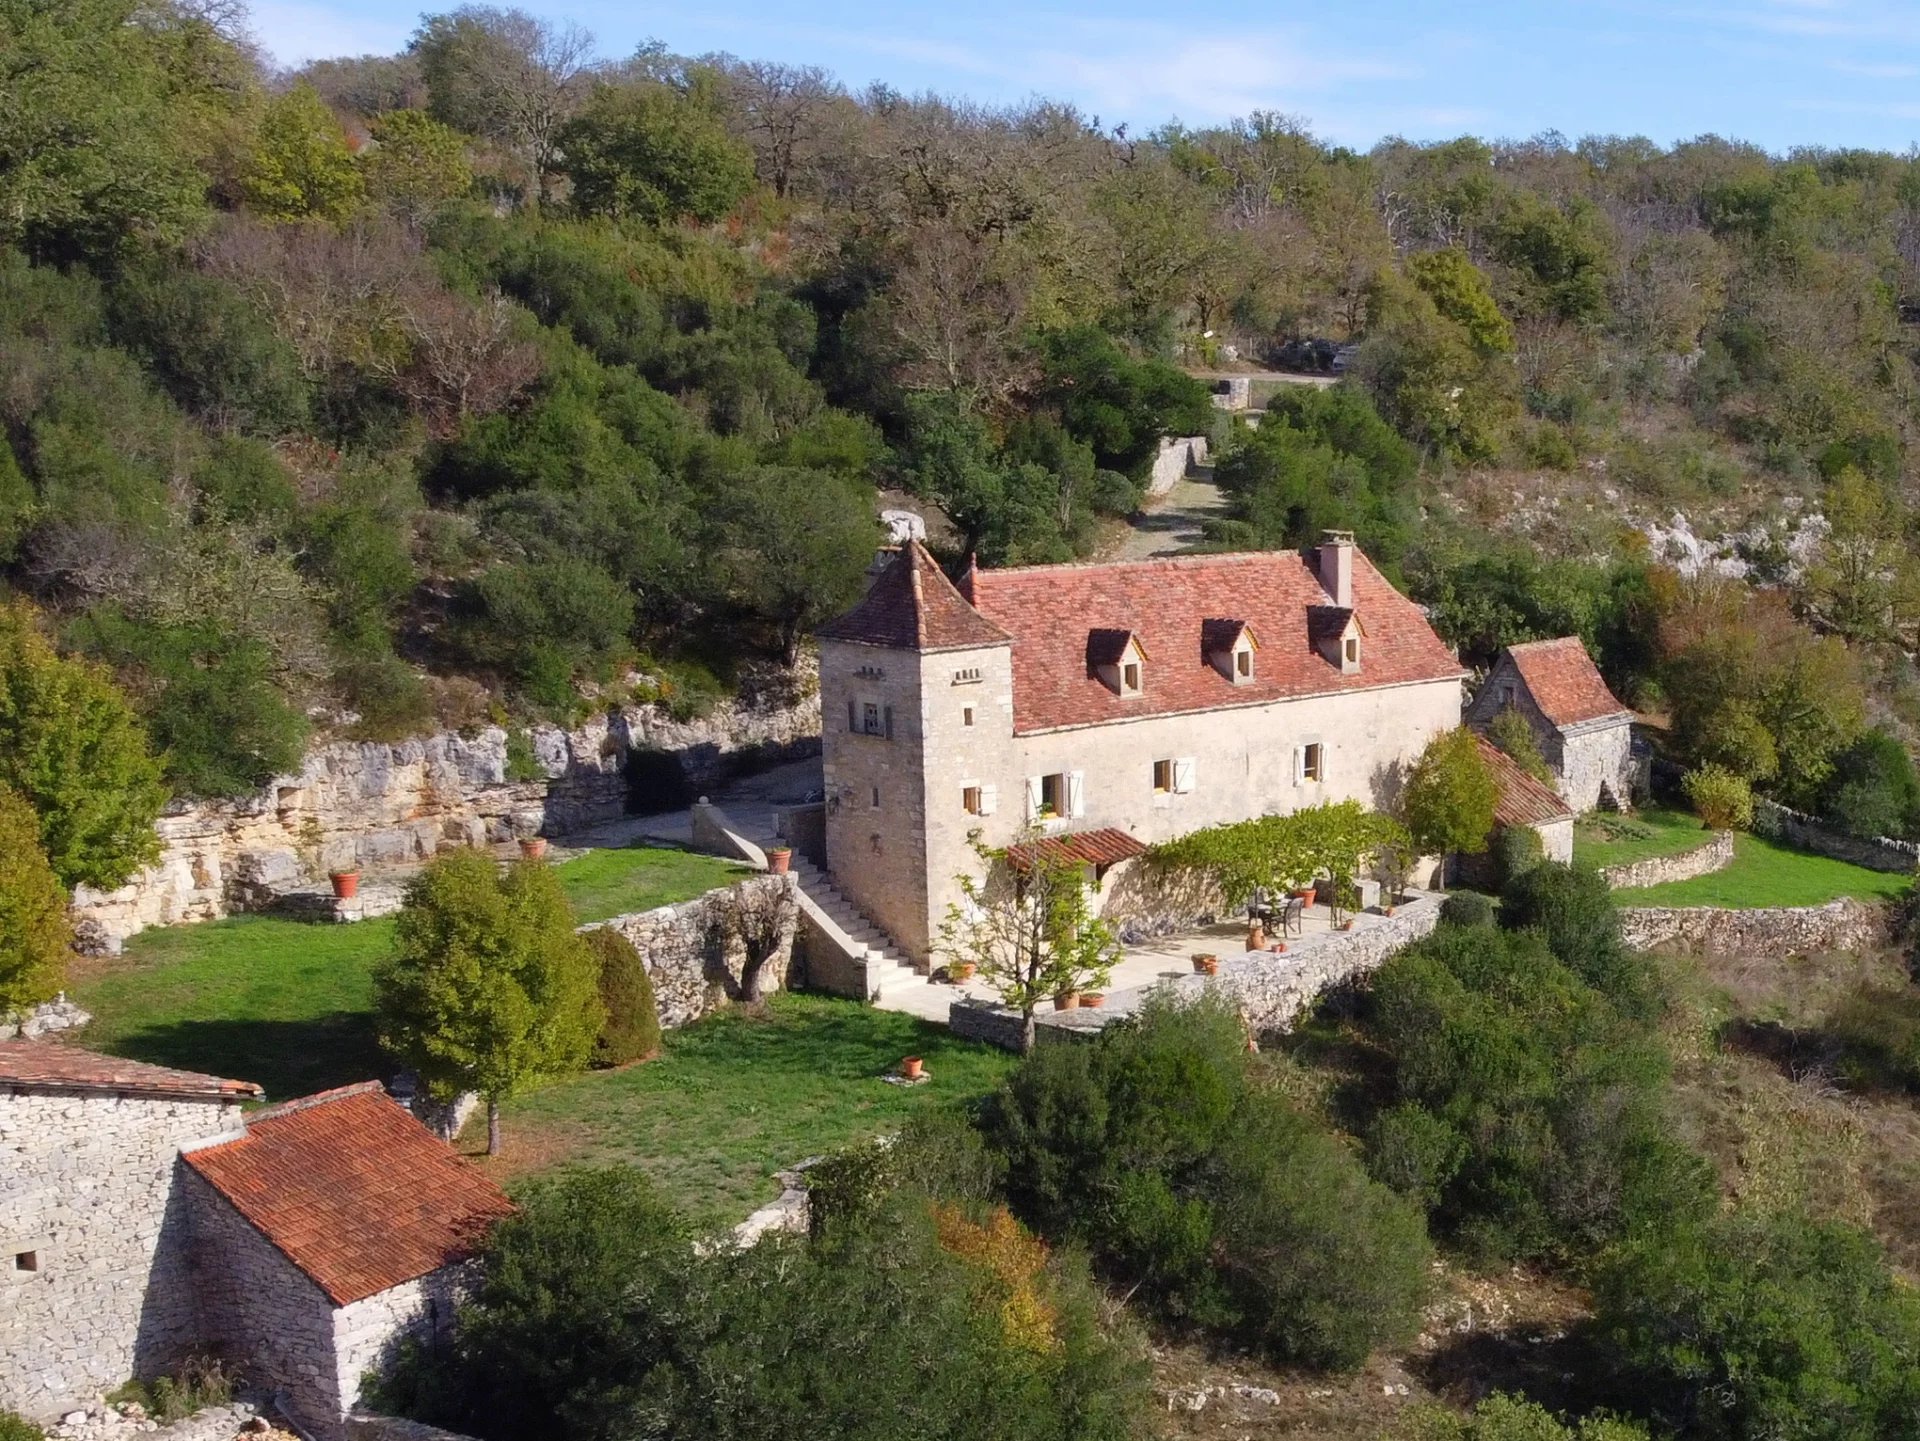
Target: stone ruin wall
(1842,925)
(373,805)
(1715,855)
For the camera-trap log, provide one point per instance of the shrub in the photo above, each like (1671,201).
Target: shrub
(1509,1418)
(938,1154)
(18,1428)
(521,763)
(631,1030)
(1415,1152)
(1510,732)
(35,937)
(391,698)
(1216,1203)
(1873,790)
(1752,1327)
(1572,907)
(1722,799)
(1467,908)
(1516,850)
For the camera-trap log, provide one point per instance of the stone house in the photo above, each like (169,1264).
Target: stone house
(1584,733)
(152,1219)
(1118,705)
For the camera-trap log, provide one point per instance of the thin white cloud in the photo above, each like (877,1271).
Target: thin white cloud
(1874,71)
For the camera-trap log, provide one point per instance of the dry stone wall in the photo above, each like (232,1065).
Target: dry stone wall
(692,970)
(1842,925)
(375,805)
(1795,828)
(1715,855)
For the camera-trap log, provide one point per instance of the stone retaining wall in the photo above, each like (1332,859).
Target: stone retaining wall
(691,970)
(365,1426)
(1178,455)
(1842,925)
(1715,855)
(369,805)
(1796,828)
(1273,991)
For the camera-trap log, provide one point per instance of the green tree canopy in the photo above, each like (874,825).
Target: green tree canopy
(415,164)
(488,987)
(1450,796)
(300,167)
(35,938)
(654,154)
(72,748)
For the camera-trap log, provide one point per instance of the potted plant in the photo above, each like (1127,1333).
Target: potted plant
(1206,965)
(779,859)
(1092,1000)
(533,847)
(913,1068)
(1066,1000)
(346,884)
(960,972)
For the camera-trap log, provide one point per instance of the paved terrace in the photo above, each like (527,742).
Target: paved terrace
(1272,987)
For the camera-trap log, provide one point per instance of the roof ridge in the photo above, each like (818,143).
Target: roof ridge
(1182,562)
(318,1098)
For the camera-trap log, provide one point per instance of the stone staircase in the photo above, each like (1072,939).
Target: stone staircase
(888,969)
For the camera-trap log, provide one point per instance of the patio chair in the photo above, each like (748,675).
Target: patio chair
(1292,913)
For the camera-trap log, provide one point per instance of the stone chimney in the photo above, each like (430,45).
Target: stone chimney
(1336,566)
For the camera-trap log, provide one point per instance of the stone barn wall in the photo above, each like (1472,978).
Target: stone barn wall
(88,1187)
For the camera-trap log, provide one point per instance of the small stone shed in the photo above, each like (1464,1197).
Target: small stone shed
(145,1217)
(1526,802)
(1585,734)
(331,1229)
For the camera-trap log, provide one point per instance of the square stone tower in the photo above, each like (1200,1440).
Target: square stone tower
(916,702)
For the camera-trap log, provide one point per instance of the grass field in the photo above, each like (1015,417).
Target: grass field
(736,1096)
(289,1004)
(1765,874)
(1603,840)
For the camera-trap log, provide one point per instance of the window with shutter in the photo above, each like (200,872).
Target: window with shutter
(989,799)
(1076,793)
(1163,777)
(970,800)
(1036,797)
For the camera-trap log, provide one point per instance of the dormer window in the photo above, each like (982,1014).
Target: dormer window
(1229,646)
(1353,652)
(1336,633)
(1119,660)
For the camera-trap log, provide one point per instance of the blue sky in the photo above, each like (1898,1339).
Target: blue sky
(1778,72)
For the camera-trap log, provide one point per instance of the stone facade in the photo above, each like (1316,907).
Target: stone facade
(375,805)
(1715,855)
(690,969)
(1591,760)
(897,818)
(88,1191)
(1795,828)
(1842,925)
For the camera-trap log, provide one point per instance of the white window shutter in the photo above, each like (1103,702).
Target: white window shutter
(989,799)
(1076,793)
(1299,764)
(1183,774)
(1033,797)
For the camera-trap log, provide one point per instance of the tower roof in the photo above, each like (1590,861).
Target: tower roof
(911,605)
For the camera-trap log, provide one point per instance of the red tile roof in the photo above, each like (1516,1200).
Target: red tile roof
(1523,801)
(1051,611)
(1102,847)
(353,1190)
(911,605)
(1563,681)
(45,1065)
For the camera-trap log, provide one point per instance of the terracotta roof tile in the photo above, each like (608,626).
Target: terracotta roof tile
(1523,801)
(911,605)
(353,1190)
(36,1065)
(1102,847)
(1050,611)
(1564,681)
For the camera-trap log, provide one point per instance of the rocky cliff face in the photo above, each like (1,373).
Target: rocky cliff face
(371,806)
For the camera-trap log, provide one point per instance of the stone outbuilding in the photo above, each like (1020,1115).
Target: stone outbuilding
(1525,801)
(145,1218)
(331,1229)
(1584,733)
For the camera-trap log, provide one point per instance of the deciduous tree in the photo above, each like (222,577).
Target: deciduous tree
(1449,797)
(35,938)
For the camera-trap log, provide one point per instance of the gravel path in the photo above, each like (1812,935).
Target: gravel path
(1173,522)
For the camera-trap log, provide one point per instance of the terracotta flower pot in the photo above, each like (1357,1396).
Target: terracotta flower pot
(1067,1001)
(778,859)
(346,884)
(1305,895)
(1278,948)
(913,1068)
(960,972)
(1257,938)
(1387,910)
(1347,924)
(533,847)
(1206,965)
(1092,1000)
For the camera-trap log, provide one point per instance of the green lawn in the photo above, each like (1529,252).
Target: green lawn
(1765,874)
(289,1004)
(738,1095)
(1602,840)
